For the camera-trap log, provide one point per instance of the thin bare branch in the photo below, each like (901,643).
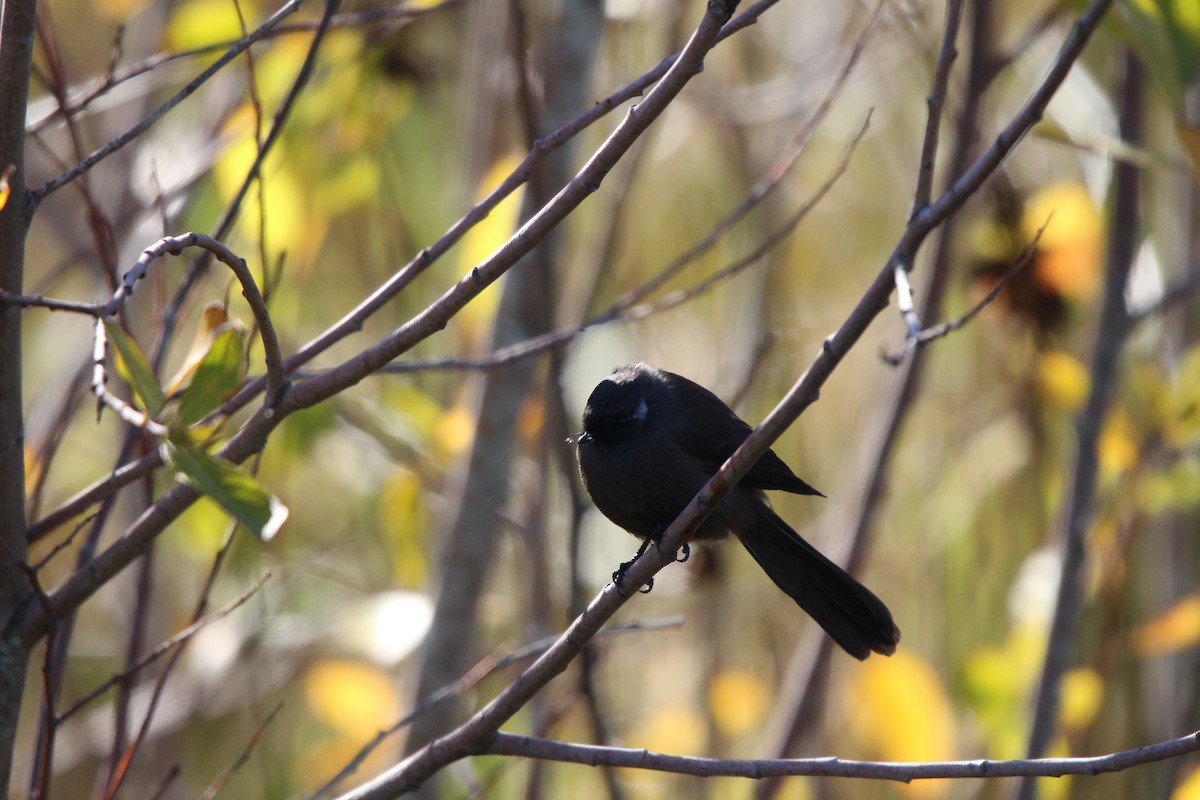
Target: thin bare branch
(936,103)
(165,646)
(81,98)
(97,492)
(937,331)
(51,303)
(128,414)
(510,744)
(500,658)
(120,768)
(769,180)
(965,185)
(621,311)
(113,145)
(221,780)
(173,245)
(916,338)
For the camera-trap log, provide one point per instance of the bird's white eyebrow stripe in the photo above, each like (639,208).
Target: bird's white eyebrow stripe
(642,410)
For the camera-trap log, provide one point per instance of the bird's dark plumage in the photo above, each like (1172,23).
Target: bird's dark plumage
(651,440)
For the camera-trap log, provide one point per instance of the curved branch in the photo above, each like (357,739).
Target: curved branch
(258,306)
(173,245)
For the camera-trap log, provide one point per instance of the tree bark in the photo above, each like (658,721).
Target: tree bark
(16,54)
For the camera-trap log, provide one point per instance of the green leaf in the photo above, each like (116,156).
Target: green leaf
(134,368)
(237,492)
(217,377)
(212,318)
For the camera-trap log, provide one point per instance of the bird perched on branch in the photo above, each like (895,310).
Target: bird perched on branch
(652,439)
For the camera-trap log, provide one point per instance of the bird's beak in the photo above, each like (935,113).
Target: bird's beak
(580,438)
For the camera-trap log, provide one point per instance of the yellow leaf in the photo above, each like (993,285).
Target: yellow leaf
(1177,486)
(677,729)
(455,430)
(1175,629)
(1082,695)
(33,467)
(1118,448)
(1181,408)
(402,518)
(5,189)
(739,701)
(288,227)
(196,23)
(355,181)
(1069,251)
(1189,787)
(1063,381)
(212,318)
(899,708)
(485,239)
(354,698)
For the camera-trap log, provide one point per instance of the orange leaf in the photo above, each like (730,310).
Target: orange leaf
(1069,251)
(1175,629)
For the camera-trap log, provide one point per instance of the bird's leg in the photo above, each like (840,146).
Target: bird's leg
(686,550)
(619,575)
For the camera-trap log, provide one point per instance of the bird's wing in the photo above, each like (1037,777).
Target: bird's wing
(771,473)
(724,433)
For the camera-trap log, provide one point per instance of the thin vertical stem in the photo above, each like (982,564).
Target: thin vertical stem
(1110,336)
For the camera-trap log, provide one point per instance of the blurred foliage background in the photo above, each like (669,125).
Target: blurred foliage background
(410,118)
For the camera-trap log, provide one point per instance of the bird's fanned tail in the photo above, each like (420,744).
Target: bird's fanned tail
(854,617)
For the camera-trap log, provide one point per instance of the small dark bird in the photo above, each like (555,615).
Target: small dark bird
(651,440)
